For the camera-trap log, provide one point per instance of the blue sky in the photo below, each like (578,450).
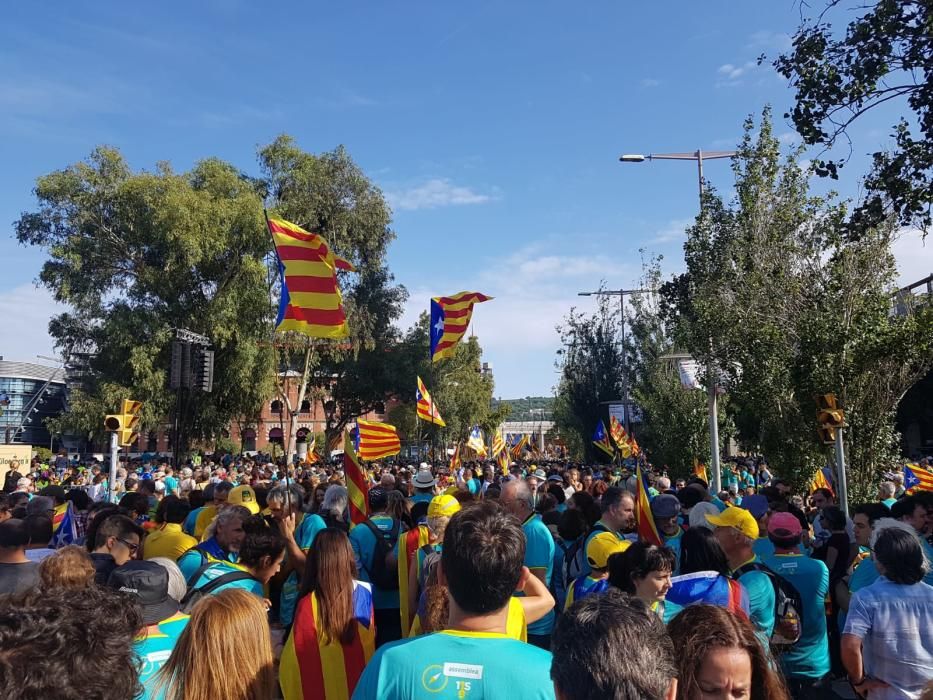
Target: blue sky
(493,127)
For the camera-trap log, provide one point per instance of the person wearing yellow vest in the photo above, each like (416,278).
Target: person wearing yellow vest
(168,540)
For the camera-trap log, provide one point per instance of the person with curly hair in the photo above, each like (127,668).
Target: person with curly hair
(69,567)
(719,655)
(55,644)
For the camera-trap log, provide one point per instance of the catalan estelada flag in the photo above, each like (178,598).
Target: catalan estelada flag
(357,484)
(313,666)
(647,530)
(916,478)
(476,442)
(408,544)
(601,439)
(519,447)
(503,460)
(633,447)
(455,461)
(310,302)
(450,317)
(821,481)
(377,440)
(427,409)
(498,444)
(64,527)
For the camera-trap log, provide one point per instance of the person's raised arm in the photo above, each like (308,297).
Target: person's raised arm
(538,600)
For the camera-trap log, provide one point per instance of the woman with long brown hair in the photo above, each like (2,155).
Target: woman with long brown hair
(224,652)
(720,657)
(334,634)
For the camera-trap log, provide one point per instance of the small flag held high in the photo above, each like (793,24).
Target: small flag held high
(601,439)
(427,409)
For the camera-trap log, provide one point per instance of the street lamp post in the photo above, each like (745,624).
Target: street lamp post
(621,293)
(699,156)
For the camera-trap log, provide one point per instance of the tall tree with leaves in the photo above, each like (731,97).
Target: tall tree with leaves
(885,54)
(136,254)
(330,195)
(590,362)
(795,308)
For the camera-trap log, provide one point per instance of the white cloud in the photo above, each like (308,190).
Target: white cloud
(650,82)
(733,72)
(26,311)
(436,192)
(674,232)
(778,41)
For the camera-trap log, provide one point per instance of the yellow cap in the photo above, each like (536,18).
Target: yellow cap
(603,546)
(451,490)
(244,496)
(739,518)
(443,505)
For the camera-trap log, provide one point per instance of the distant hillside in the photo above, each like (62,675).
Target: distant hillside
(530,408)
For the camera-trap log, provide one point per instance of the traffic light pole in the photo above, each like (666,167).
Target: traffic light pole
(114,461)
(841,474)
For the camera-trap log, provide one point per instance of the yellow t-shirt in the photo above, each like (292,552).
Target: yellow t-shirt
(168,541)
(205,518)
(515,626)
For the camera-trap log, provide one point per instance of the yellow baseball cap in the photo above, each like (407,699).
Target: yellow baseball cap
(244,496)
(443,505)
(739,518)
(603,546)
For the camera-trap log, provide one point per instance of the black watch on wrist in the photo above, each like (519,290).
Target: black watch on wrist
(855,683)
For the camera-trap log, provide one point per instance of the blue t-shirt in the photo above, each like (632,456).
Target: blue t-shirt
(455,665)
(539,554)
(421,498)
(363,543)
(760,602)
(305,532)
(153,649)
(220,569)
(206,551)
(190,520)
(809,657)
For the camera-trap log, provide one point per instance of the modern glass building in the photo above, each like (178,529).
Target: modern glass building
(29,394)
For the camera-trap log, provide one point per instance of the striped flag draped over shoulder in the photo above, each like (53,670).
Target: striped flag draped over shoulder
(311,302)
(450,317)
(647,530)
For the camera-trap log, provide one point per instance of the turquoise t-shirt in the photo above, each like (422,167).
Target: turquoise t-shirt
(674,543)
(171,485)
(421,498)
(865,574)
(305,533)
(363,543)
(889,502)
(221,568)
(539,554)
(808,658)
(454,665)
(196,557)
(154,649)
(760,602)
(188,525)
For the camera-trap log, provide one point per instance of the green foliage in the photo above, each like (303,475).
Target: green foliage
(43,454)
(224,445)
(135,255)
(885,54)
(590,363)
(530,408)
(789,307)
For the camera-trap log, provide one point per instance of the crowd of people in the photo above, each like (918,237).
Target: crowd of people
(241,579)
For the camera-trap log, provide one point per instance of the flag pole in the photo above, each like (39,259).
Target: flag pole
(288,491)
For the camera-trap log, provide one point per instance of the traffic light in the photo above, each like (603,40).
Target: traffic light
(125,424)
(829,417)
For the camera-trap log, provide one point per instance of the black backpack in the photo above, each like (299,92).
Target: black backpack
(788,607)
(195,594)
(381,574)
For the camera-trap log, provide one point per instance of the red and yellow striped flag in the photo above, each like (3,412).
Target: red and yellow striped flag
(425,406)
(357,484)
(647,530)
(699,470)
(310,301)
(498,444)
(450,317)
(455,461)
(377,440)
(503,460)
(313,666)
(407,547)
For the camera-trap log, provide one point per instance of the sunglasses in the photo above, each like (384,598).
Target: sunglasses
(129,545)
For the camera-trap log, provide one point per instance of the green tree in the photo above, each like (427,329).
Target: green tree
(329,194)
(885,54)
(134,255)
(789,307)
(590,362)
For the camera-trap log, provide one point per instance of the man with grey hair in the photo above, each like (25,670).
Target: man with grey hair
(516,498)
(299,530)
(886,491)
(222,543)
(663,484)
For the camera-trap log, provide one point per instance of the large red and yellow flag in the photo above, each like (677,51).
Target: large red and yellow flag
(617,432)
(647,530)
(916,478)
(357,483)
(313,666)
(450,317)
(427,409)
(377,440)
(406,550)
(498,444)
(310,302)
